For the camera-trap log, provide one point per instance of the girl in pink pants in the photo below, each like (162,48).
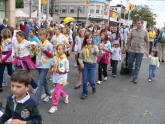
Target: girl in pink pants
(60,68)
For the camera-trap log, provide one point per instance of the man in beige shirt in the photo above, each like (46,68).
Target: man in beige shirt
(138,40)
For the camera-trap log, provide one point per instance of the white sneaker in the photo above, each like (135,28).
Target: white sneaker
(53,109)
(105,78)
(47,98)
(99,82)
(66,100)
(75,65)
(149,80)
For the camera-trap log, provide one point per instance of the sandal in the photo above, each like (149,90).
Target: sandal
(77,86)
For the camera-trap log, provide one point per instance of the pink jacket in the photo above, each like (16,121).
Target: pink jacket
(105,58)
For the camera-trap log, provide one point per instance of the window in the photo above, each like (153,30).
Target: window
(71,9)
(81,9)
(92,9)
(56,9)
(63,9)
(97,8)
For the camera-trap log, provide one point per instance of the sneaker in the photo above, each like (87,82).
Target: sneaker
(83,97)
(134,81)
(66,100)
(53,109)
(113,75)
(75,65)
(77,86)
(149,80)
(105,78)
(93,90)
(47,98)
(1,89)
(99,82)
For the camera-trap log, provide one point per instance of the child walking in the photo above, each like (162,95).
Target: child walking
(77,49)
(154,63)
(43,58)
(60,68)
(20,107)
(5,54)
(116,56)
(103,61)
(87,60)
(22,57)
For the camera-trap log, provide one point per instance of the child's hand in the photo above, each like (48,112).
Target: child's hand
(42,48)
(52,69)
(0,60)
(82,66)
(16,121)
(31,56)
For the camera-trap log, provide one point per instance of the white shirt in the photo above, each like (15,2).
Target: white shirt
(78,44)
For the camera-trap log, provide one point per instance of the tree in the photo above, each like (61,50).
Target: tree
(143,12)
(19,4)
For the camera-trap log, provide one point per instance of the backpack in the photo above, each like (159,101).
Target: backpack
(162,37)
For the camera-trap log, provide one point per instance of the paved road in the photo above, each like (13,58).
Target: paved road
(117,101)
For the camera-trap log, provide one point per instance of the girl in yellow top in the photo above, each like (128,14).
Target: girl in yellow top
(152,36)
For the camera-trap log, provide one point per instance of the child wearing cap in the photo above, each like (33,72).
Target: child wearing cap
(116,56)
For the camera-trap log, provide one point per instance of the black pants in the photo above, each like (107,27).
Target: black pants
(102,70)
(2,68)
(114,67)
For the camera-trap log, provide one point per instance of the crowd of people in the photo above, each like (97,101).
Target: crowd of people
(47,47)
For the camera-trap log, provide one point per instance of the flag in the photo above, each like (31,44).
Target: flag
(130,7)
(86,2)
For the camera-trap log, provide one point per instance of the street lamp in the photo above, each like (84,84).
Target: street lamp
(78,12)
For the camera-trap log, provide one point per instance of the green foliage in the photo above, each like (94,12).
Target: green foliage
(19,4)
(143,12)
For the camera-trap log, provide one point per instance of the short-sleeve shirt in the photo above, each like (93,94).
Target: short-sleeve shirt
(138,40)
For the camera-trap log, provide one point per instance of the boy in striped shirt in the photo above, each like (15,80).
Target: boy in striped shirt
(20,107)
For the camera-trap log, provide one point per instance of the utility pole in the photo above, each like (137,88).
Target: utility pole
(30,8)
(47,10)
(78,12)
(52,8)
(109,7)
(87,14)
(39,11)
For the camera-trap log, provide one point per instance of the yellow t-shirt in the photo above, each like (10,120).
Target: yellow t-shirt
(152,36)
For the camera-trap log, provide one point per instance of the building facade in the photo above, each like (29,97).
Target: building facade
(95,11)
(7,10)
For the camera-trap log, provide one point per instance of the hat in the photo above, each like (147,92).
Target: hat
(115,42)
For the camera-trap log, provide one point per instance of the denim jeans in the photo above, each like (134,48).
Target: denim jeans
(151,45)
(2,68)
(33,83)
(152,71)
(88,73)
(5,75)
(114,67)
(42,83)
(137,58)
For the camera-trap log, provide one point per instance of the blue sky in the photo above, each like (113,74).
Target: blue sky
(157,6)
